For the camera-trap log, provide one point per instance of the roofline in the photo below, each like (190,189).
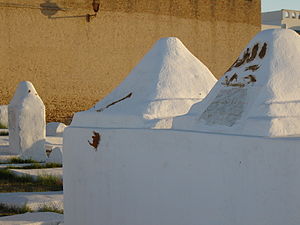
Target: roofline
(290,10)
(281,10)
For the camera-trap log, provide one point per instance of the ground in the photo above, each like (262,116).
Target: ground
(30,192)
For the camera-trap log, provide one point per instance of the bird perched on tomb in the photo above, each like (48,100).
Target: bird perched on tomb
(251,79)
(96,140)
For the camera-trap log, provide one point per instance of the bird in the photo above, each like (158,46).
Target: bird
(96,140)
(251,79)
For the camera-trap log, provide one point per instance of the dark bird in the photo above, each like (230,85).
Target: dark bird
(251,79)
(254,53)
(263,51)
(253,68)
(244,59)
(234,77)
(96,140)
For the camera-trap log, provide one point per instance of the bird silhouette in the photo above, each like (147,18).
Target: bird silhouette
(96,140)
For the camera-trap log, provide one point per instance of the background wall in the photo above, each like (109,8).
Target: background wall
(73,64)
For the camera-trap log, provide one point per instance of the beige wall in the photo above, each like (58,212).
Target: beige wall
(291,21)
(277,19)
(266,27)
(73,64)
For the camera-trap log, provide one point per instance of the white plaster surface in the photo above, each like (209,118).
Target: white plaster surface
(55,129)
(54,142)
(34,200)
(56,156)
(58,172)
(268,107)
(27,123)
(51,141)
(3,130)
(4,147)
(4,158)
(3,115)
(37,218)
(2,166)
(6,154)
(169,177)
(167,81)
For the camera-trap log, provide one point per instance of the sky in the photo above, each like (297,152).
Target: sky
(273,5)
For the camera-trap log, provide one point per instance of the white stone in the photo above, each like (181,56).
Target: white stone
(55,156)
(34,200)
(26,113)
(3,116)
(36,218)
(55,129)
(167,81)
(35,173)
(269,105)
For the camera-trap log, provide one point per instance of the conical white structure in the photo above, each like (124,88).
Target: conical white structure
(167,81)
(259,95)
(27,125)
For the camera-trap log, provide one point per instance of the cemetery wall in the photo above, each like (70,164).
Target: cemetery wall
(74,63)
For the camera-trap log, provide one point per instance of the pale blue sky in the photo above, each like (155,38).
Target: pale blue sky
(273,5)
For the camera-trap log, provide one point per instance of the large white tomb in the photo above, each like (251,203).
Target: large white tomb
(167,81)
(27,124)
(129,176)
(259,95)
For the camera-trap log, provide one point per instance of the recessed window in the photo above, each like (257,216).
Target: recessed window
(299,16)
(286,14)
(293,15)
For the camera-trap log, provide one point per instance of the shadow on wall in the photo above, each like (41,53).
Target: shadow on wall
(49,9)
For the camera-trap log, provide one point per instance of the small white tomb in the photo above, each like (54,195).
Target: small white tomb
(3,116)
(55,129)
(55,156)
(27,125)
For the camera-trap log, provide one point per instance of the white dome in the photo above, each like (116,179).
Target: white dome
(259,95)
(167,81)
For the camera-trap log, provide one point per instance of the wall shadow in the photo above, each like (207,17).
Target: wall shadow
(49,8)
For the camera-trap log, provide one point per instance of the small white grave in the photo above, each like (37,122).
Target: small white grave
(27,126)
(55,129)
(167,81)
(259,95)
(35,218)
(3,116)
(55,156)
